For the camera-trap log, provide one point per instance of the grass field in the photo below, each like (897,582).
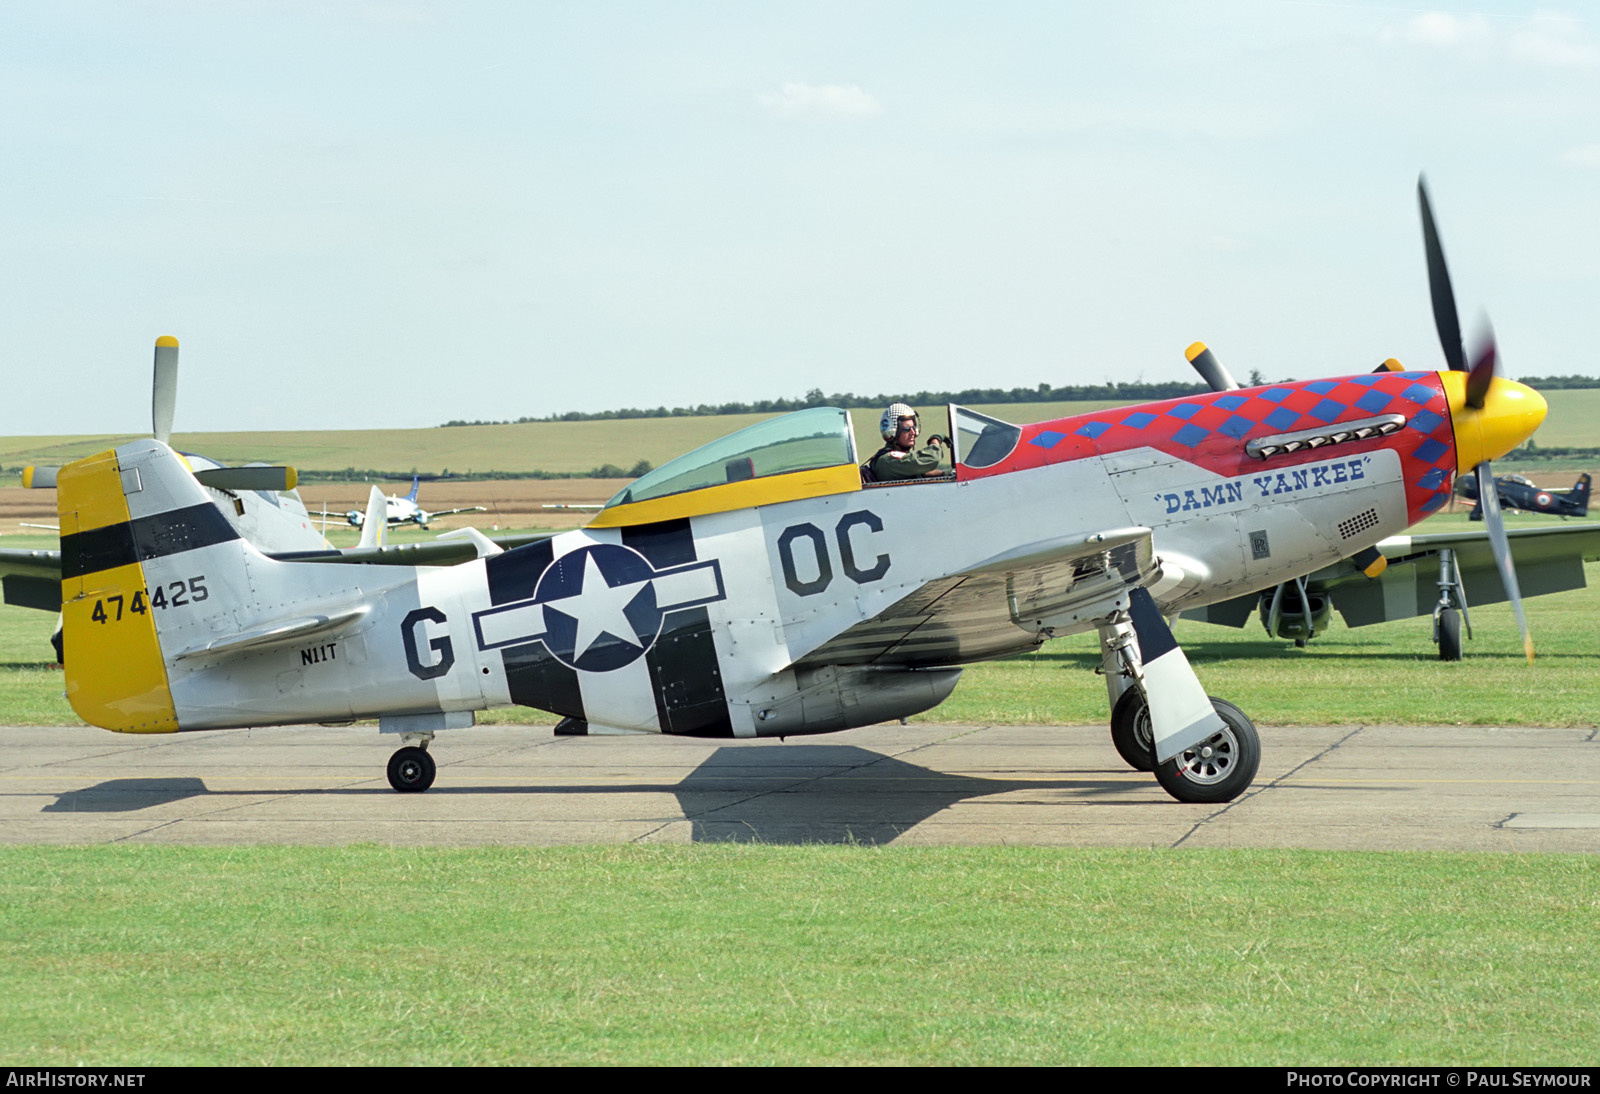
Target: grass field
(577,447)
(740,954)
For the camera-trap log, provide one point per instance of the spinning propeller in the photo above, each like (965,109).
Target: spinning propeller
(1491,413)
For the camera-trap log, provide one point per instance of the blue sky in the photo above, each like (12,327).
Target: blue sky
(394,214)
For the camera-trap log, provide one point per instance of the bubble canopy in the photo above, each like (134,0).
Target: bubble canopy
(802,441)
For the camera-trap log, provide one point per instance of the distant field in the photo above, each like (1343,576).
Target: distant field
(577,447)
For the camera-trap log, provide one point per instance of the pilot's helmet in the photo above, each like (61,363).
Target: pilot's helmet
(889,424)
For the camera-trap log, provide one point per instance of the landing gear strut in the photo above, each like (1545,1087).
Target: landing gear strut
(1451,611)
(1217,750)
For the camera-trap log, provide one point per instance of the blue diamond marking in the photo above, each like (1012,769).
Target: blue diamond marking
(1430,450)
(1050,438)
(1374,401)
(1138,420)
(1282,418)
(1231,402)
(1434,502)
(1185,410)
(1191,435)
(1425,421)
(1327,410)
(1277,394)
(1236,426)
(1091,429)
(1418,393)
(1322,387)
(1432,480)
(1366,381)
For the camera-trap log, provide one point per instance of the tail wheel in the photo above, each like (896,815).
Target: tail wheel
(1218,769)
(1130,731)
(411,770)
(1449,635)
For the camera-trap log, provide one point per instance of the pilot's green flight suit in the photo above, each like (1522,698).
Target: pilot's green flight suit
(891,464)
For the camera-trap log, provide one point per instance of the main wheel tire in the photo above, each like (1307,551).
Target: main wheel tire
(411,770)
(1218,769)
(1450,635)
(1130,731)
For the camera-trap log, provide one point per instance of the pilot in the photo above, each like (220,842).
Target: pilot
(900,458)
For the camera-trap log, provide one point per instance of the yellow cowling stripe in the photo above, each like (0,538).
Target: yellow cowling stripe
(115,676)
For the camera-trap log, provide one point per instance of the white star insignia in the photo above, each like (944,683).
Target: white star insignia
(599,608)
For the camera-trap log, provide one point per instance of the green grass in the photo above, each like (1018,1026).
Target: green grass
(816,955)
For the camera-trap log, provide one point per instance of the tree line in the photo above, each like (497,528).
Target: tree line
(1044,393)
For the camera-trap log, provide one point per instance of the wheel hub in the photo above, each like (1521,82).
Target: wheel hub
(1210,761)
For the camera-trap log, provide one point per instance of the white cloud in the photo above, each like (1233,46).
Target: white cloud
(1587,155)
(1554,41)
(1468,35)
(1547,39)
(794,100)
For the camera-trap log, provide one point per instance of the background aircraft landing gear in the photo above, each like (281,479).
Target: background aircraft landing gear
(411,770)
(1451,610)
(1449,635)
(1218,769)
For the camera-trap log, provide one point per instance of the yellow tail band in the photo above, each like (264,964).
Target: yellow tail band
(115,675)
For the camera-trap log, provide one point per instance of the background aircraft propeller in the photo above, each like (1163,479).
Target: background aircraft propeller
(1480,376)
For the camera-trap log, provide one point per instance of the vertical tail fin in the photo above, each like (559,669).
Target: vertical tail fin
(131,520)
(1580,494)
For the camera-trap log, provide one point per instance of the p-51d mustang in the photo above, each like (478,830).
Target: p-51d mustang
(756,588)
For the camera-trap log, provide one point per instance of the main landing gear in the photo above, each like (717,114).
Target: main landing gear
(1219,760)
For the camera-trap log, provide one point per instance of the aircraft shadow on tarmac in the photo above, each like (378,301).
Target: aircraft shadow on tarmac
(792,794)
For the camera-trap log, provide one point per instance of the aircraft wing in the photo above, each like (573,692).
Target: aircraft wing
(1548,560)
(31,578)
(1002,605)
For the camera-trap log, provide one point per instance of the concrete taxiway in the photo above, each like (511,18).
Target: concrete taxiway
(1429,788)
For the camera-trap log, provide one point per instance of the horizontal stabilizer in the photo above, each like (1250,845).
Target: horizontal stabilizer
(434,553)
(281,632)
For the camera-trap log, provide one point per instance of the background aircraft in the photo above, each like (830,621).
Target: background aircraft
(757,588)
(1519,493)
(398,510)
(1427,574)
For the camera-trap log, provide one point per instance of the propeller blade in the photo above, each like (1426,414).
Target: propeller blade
(1444,299)
(1210,369)
(164,388)
(1480,375)
(1489,502)
(249,478)
(39,478)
